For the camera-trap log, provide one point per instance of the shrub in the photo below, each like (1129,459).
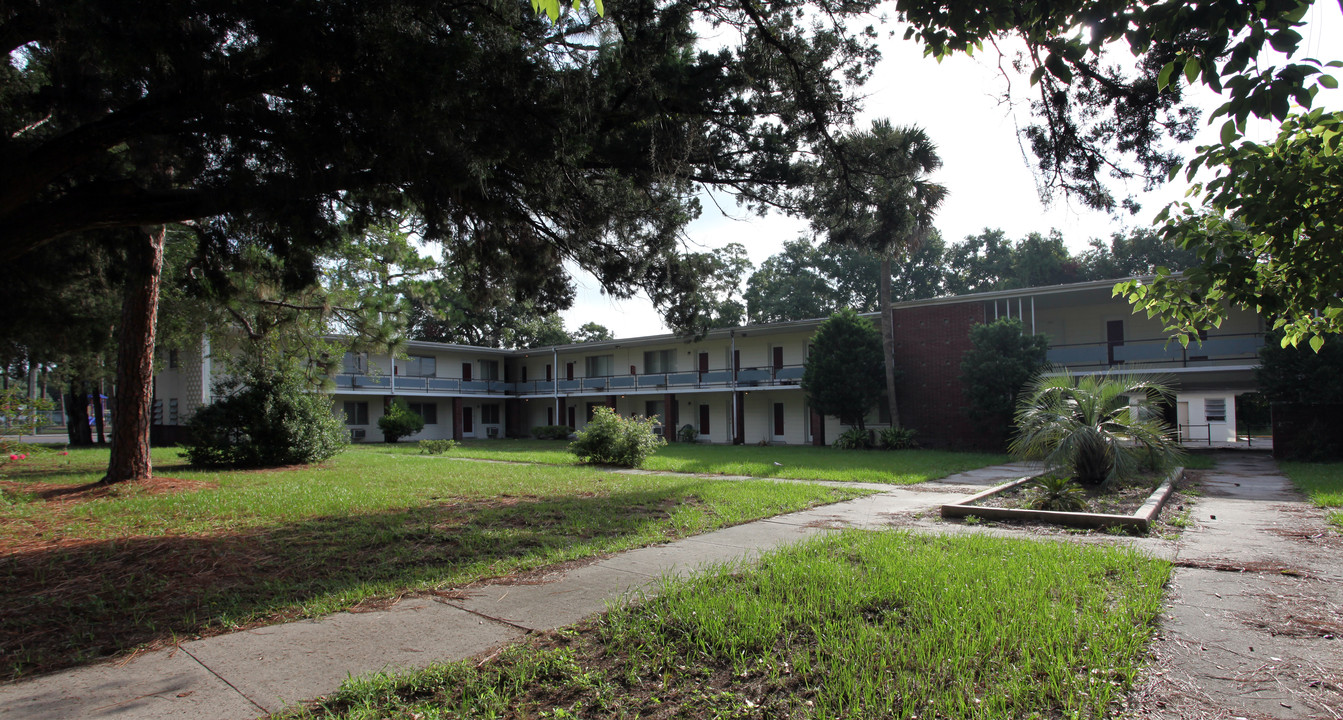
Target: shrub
(854,438)
(1096,428)
(265,415)
(551,432)
(898,438)
(609,439)
(687,433)
(399,422)
(436,447)
(1056,492)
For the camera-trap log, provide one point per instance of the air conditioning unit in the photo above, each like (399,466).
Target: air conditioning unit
(492,431)
(358,434)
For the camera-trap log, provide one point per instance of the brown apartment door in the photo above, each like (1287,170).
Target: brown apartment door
(703,362)
(703,419)
(466,371)
(778,358)
(778,419)
(468,420)
(569,373)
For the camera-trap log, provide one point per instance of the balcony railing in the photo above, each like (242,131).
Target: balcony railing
(713,379)
(1237,349)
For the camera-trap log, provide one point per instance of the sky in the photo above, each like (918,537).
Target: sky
(986,169)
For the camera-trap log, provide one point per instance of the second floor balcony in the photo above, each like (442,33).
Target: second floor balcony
(788,375)
(1160,353)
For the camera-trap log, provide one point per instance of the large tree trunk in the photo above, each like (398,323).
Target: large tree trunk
(77,415)
(888,339)
(133,394)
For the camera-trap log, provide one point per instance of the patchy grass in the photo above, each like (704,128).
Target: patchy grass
(89,572)
(805,462)
(857,625)
(1322,483)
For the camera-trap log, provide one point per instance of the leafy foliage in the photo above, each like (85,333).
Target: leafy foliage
(1056,492)
(994,371)
(21,414)
(399,421)
(855,438)
(1291,374)
(1268,236)
(436,447)
(898,438)
(686,433)
(266,414)
(1085,428)
(609,439)
(551,432)
(843,373)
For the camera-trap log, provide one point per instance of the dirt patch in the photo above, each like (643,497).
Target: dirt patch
(77,493)
(1123,498)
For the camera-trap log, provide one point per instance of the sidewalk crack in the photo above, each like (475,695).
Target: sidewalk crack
(225,681)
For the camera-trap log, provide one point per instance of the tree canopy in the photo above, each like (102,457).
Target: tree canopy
(1266,228)
(843,374)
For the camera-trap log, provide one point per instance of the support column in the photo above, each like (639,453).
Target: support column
(669,424)
(739,433)
(564,414)
(611,402)
(456,418)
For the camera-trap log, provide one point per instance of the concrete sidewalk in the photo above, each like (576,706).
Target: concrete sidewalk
(1254,623)
(254,672)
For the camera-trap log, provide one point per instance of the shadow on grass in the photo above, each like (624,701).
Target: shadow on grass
(90,600)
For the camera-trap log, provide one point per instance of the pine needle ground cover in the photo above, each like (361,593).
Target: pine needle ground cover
(855,625)
(903,467)
(1322,483)
(90,572)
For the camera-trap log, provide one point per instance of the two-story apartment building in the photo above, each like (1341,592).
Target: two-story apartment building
(742,385)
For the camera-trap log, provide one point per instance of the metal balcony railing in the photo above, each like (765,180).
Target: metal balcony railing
(713,379)
(1235,349)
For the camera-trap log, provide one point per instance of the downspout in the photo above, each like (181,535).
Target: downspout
(555,382)
(1032,314)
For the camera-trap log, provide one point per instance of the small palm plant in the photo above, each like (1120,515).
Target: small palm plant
(1096,428)
(1056,492)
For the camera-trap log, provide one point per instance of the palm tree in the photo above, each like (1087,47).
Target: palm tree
(874,195)
(1096,428)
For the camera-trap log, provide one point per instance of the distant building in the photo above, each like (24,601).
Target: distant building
(741,385)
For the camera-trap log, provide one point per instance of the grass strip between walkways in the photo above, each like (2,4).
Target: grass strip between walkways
(1322,483)
(91,572)
(803,462)
(855,625)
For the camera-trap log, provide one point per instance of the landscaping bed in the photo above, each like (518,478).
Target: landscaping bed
(1134,504)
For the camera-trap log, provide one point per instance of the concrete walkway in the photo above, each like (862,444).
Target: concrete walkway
(254,672)
(1247,634)
(1254,625)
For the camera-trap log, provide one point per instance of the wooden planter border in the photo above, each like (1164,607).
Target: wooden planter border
(1140,520)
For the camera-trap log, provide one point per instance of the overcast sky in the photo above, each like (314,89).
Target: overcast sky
(985,168)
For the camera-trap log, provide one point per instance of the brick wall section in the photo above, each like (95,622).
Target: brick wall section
(929,344)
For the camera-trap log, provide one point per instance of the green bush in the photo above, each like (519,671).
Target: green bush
(436,447)
(265,415)
(609,439)
(1056,492)
(687,433)
(854,439)
(399,422)
(898,438)
(551,432)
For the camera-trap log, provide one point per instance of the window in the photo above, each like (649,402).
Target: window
(420,366)
(660,361)
(354,363)
(1214,409)
(599,365)
(172,411)
(356,413)
(656,408)
(489,369)
(428,411)
(489,414)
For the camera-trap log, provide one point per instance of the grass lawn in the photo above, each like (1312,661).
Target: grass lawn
(1322,483)
(90,572)
(857,625)
(803,462)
